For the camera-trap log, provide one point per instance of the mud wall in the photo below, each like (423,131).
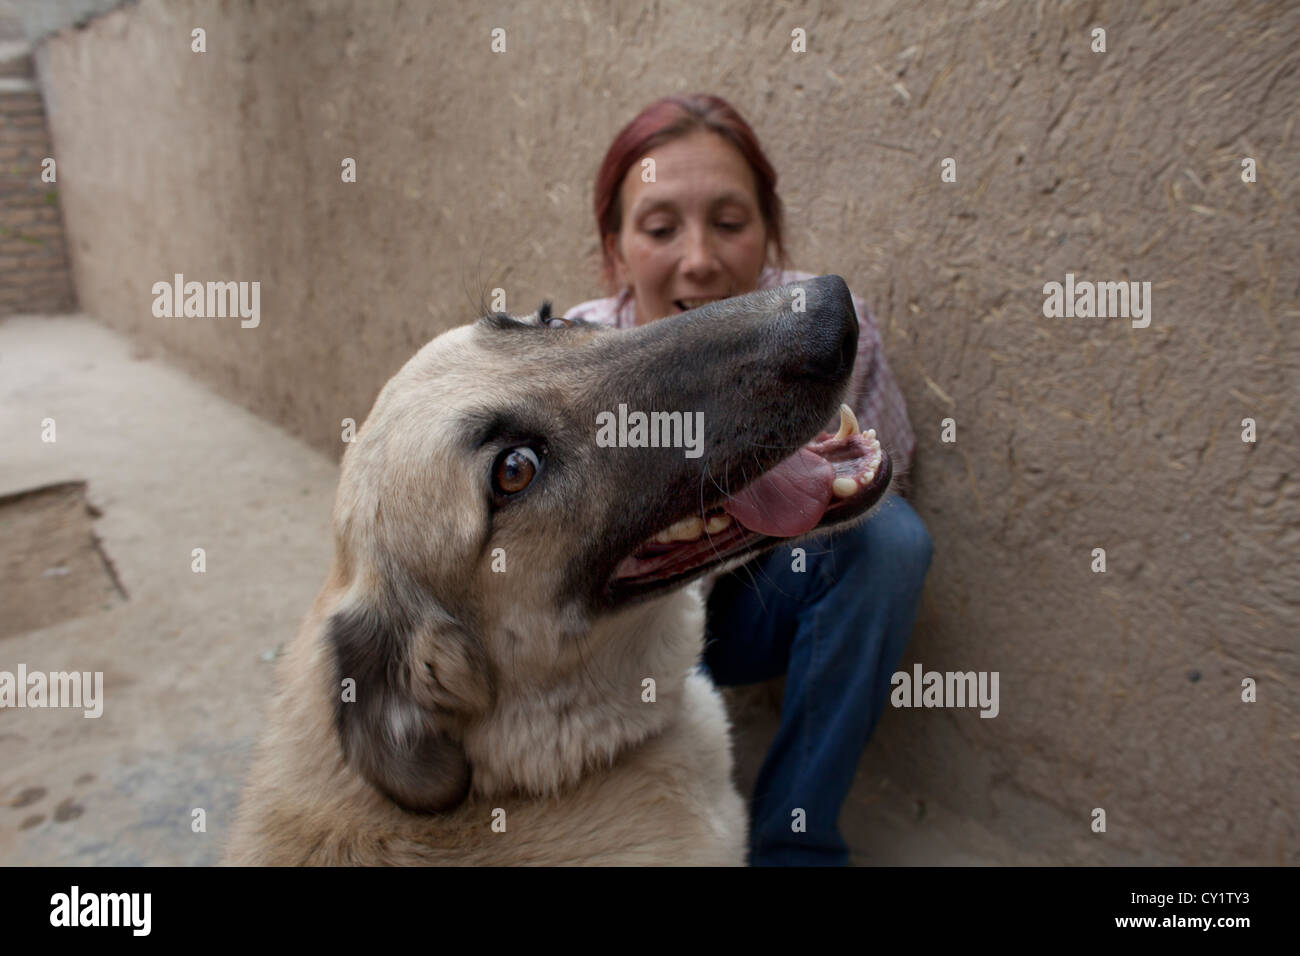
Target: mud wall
(1120,689)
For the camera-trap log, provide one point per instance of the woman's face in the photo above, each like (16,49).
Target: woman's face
(695,233)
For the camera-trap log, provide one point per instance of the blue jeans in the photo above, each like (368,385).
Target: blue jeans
(837,630)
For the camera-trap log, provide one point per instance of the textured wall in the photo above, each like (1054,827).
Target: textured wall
(1118,690)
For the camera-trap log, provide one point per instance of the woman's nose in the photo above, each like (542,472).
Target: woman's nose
(699,255)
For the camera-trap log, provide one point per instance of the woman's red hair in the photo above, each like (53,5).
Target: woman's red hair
(668,119)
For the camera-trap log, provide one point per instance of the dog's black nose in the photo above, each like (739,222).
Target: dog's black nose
(825,333)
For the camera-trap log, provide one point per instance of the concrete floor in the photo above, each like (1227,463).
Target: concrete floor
(187,656)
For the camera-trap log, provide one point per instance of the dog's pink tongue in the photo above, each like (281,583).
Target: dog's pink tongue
(788,500)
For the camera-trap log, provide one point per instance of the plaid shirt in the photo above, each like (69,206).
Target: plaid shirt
(873,395)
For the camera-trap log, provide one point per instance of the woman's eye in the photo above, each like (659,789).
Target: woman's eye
(514,470)
(664,231)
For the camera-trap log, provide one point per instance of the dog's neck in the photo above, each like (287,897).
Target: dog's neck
(634,664)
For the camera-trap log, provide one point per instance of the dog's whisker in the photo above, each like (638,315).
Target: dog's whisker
(707,473)
(724,491)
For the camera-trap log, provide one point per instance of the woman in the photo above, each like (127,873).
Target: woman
(704,228)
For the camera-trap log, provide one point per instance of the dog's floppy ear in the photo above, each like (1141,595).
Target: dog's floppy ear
(414,684)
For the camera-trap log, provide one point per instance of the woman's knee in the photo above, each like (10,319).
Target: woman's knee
(910,538)
(894,539)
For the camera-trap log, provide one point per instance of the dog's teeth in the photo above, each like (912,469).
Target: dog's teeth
(848,423)
(845,487)
(717,523)
(688,529)
(869,434)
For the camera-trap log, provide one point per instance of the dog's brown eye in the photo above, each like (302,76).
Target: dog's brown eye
(515,468)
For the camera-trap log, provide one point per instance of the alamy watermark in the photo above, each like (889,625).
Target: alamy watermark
(946,689)
(1101,300)
(211,300)
(78,689)
(130,910)
(651,430)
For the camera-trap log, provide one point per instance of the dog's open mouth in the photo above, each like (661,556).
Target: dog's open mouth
(832,479)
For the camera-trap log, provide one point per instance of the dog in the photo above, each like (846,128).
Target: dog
(501,668)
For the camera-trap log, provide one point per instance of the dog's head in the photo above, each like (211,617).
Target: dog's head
(519,480)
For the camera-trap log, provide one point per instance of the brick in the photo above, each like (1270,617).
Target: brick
(29,140)
(17,66)
(22,127)
(42,230)
(44,292)
(51,267)
(23,123)
(23,109)
(17,125)
(45,258)
(24,100)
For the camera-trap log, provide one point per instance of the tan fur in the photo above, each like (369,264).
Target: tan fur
(667,799)
(543,701)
